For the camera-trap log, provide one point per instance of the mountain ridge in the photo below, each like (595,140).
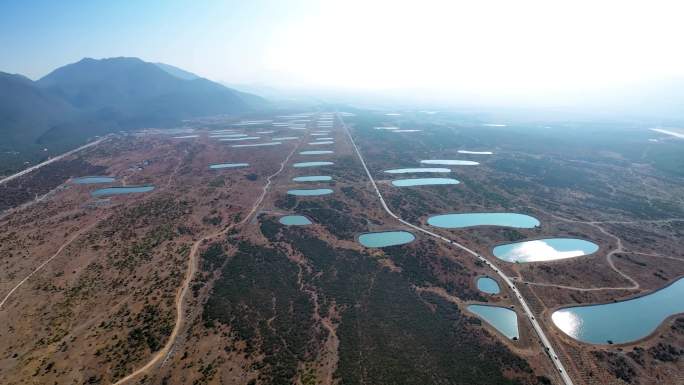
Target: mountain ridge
(95,96)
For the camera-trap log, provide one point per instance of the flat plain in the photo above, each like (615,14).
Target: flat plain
(198,282)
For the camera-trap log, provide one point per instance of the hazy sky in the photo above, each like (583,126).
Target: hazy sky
(489,46)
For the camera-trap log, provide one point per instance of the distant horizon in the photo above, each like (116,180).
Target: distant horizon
(611,55)
(605,104)
(364,45)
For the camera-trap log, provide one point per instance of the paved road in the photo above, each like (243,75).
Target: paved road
(542,336)
(58,157)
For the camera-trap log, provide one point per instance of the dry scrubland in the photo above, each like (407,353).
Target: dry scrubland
(619,191)
(106,301)
(272,304)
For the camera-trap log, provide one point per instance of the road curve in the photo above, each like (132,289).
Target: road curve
(609,257)
(542,336)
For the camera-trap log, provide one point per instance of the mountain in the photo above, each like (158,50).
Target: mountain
(94,97)
(26,113)
(133,93)
(27,110)
(177,72)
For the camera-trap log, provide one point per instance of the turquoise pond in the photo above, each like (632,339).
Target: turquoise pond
(312,164)
(544,250)
(315,152)
(386,238)
(227,135)
(488,285)
(294,220)
(417,170)
(227,165)
(230,130)
(423,182)
(185,137)
(623,321)
(312,178)
(310,192)
(93,179)
(450,162)
(239,139)
(256,144)
(456,221)
(121,190)
(502,319)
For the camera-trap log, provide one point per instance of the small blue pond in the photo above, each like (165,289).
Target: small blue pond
(312,178)
(121,190)
(386,238)
(239,139)
(424,182)
(227,165)
(310,192)
(450,162)
(456,221)
(93,179)
(416,170)
(294,220)
(488,285)
(312,164)
(227,135)
(256,144)
(502,319)
(316,152)
(544,250)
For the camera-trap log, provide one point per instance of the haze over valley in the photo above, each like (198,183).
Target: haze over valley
(341,193)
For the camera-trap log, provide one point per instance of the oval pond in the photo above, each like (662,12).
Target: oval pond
(294,220)
(488,285)
(456,221)
(227,165)
(310,192)
(623,321)
(424,182)
(386,238)
(121,190)
(93,179)
(544,250)
(312,178)
(312,164)
(417,170)
(450,162)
